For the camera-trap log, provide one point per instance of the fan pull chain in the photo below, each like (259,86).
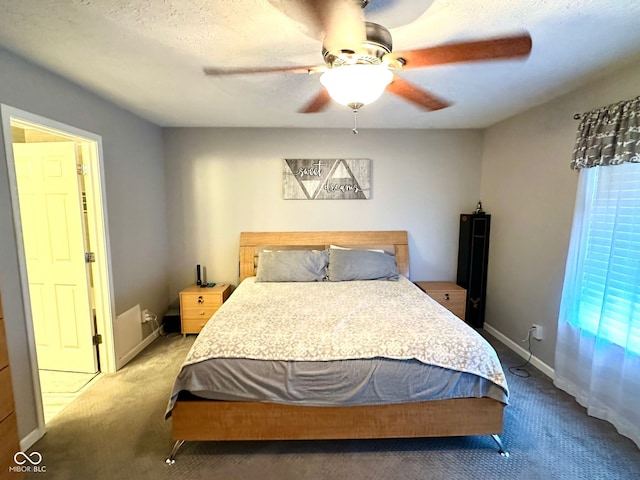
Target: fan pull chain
(355,121)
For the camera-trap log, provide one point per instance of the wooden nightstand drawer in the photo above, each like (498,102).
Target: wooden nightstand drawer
(193,325)
(197,305)
(201,298)
(4,354)
(194,313)
(9,446)
(448,294)
(6,394)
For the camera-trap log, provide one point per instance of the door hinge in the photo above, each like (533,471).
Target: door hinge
(82,169)
(97,339)
(89,257)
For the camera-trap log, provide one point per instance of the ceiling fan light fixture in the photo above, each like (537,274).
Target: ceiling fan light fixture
(358,84)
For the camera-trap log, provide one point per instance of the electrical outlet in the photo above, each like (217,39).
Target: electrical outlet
(146,316)
(536,332)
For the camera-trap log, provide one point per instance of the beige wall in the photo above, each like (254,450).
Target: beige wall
(530,191)
(224,181)
(134,180)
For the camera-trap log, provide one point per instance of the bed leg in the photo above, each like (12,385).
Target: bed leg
(171,459)
(501,448)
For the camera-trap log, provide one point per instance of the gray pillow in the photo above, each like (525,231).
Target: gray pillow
(360,265)
(292,266)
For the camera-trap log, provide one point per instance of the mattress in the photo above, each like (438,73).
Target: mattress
(338,343)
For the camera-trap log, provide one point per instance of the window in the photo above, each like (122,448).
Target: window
(607,273)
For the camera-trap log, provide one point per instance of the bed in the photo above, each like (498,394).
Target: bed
(223,390)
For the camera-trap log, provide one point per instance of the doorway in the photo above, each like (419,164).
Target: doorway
(59,211)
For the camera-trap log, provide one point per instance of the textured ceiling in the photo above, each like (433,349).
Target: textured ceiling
(147,56)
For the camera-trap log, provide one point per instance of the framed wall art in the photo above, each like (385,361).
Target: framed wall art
(326,179)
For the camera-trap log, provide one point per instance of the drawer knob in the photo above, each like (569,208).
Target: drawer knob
(200,299)
(446,296)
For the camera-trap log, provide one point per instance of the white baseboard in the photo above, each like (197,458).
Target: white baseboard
(121,362)
(29,441)
(524,353)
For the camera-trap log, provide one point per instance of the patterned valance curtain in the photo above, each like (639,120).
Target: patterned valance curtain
(608,136)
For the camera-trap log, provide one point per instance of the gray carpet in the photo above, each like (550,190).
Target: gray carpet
(116,430)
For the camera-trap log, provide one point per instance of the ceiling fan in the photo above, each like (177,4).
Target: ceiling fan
(359,61)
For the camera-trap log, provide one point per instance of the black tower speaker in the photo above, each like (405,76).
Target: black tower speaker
(473,260)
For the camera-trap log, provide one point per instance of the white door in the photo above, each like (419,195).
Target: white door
(54,243)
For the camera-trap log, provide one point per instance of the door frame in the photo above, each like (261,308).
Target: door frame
(102,273)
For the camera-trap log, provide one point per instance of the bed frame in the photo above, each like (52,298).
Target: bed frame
(196,419)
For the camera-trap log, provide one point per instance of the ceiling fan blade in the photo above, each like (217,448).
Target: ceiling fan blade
(416,95)
(247,71)
(318,103)
(492,49)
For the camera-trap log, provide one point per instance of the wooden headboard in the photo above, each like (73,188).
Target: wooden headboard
(251,242)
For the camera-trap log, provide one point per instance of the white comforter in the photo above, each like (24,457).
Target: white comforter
(323,321)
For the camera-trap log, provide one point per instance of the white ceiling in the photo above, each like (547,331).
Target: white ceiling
(147,56)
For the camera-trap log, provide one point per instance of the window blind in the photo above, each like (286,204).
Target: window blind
(609,300)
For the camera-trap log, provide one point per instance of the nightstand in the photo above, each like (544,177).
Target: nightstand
(451,296)
(198,304)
